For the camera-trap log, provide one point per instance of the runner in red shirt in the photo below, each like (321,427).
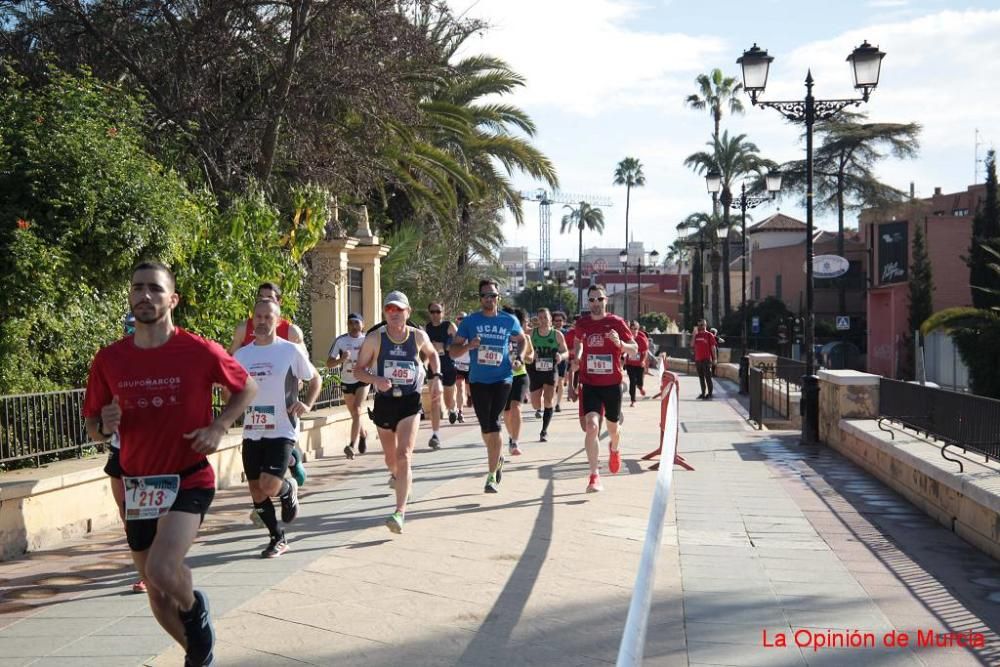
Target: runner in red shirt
(243,335)
(601,339)
(635,364)
(706,351)
(154,390)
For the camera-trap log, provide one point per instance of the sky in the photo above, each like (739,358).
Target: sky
(607,79)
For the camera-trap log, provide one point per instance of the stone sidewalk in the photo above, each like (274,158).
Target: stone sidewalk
(764,536)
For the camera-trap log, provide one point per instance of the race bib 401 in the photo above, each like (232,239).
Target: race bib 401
(489,355)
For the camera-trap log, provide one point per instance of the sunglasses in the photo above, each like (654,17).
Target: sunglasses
(393,309)
(490,295)
(593,299)
(459,319)
(434,312)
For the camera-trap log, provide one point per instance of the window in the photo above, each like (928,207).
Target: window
(960,212)
(777,286)
(355,300)
(756,288)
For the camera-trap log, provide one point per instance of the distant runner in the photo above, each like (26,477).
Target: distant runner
(344,355)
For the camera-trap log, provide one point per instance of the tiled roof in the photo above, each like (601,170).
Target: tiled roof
(779,222)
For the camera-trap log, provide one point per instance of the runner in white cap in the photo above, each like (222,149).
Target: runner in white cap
(390,360)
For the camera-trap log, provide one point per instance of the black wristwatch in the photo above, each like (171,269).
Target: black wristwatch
(431,376)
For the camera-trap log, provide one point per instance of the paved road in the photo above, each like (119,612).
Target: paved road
(764,536)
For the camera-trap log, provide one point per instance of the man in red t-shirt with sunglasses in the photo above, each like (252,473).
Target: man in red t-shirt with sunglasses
(601,340)
(154,390)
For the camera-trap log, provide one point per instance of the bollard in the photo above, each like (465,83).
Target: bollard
(745,374)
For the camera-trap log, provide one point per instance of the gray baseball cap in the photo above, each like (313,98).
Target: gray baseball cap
(396,298)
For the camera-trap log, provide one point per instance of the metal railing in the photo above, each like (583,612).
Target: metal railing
(790,370)
(33,426)
(36,426)
(770,395)
(956,419)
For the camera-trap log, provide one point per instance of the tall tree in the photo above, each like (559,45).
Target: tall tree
(734,158)
(716,93)
(921,293)
(584,216)
(629,173)
(985,233)
(843,169)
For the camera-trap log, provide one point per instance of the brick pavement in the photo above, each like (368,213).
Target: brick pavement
(763,536)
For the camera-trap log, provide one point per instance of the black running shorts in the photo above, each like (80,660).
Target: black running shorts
(539,379)
(596,399)
(113,468)
(388,411)
(268,455)
(352,387)
(141,532)
(489,401)
(517,389)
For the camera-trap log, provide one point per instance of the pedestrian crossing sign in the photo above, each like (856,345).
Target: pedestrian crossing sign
(843,323)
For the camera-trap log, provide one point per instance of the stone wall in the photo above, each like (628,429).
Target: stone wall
(40,508)
(967,503)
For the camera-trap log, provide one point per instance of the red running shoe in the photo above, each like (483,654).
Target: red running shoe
(595,484)
(139,587)
(615,461)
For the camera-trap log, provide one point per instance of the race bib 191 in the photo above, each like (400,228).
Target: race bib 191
(401,372)
(150,497)
(544,365)
(259,418)
(489,355)
(600,364)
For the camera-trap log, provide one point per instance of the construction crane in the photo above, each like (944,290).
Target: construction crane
(545,200)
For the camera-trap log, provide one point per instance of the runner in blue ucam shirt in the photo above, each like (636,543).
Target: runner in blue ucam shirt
(487,336)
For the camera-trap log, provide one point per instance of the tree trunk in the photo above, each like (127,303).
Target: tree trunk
(727,299)
(715,260)
(628,199)
(842,280)
(579,273)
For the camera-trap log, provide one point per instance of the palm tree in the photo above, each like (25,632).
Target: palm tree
(715,92)
(734,158)
(629,173)
(584,216)
(843,168)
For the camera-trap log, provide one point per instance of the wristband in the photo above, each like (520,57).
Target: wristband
(431,376)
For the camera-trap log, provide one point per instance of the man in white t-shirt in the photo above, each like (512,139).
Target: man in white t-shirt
(271,422)
(344,353)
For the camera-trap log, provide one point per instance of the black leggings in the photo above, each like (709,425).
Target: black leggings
(489,401)
(635,374)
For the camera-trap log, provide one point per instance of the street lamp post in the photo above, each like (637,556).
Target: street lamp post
(653,256)
(745,201)
(866,61)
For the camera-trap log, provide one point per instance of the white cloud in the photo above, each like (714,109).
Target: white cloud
(577,55)
(600,90)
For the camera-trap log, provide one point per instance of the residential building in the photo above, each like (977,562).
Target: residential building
(946,220)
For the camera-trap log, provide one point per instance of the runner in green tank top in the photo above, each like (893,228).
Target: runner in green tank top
(550,349)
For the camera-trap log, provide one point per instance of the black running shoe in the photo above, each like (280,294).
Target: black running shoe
(499,470)
(349,452)
(452,417)
(199,633)
(362,444)
(557,408)
(276,547)
(290,503)
(434,443)
(543,437)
